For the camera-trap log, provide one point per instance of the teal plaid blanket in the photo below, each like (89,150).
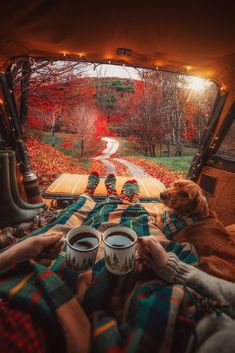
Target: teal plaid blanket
(139,313)
(112,211)
(41,291)
(133,313)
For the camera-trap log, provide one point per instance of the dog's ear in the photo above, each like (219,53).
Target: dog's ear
(201,208)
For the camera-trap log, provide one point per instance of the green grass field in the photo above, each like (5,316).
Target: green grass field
(126,149)
(175,163)
(74,151)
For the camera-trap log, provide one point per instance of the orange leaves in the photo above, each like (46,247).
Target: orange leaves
(120,168)
(101,127)
(96,165)
(66,145)
(48,163)
(165,175)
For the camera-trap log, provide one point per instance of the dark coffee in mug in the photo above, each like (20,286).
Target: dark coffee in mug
(82,247)
(119,240)
(84,241)
(119,249)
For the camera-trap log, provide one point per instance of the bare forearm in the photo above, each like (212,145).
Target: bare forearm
(9,257)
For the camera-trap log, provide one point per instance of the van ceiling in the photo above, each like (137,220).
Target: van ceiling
(197,37)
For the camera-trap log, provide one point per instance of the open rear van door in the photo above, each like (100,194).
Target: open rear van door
(12,130)
(217,174)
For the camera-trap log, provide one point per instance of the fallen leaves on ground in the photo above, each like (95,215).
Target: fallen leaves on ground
(48,163)
(96,165)
(120,168)
(165,175)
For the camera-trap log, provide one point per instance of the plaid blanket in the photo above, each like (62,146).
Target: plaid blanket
(101,216)
(42,292)
(10,235)
(139,313)
(29,335)
(112,211)
(129,313)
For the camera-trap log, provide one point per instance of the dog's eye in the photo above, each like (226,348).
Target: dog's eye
(183,194)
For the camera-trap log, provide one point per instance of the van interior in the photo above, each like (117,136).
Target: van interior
(143,91)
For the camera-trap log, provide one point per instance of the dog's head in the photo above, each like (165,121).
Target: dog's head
(185,197)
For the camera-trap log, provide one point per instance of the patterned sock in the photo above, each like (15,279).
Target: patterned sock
(110,183)
(93,181)
(130,191)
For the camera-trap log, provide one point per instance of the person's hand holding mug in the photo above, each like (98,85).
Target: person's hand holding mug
(39,247)
(151,253)
(45,246)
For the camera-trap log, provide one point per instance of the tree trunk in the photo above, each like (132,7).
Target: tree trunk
(152,151)
(178,150)
(82,147)
(178,147)
(169,150)
(53,136)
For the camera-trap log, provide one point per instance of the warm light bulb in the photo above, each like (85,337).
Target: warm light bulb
(65,53)
(196,83)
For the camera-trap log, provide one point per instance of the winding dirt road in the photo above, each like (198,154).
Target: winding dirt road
(111,148)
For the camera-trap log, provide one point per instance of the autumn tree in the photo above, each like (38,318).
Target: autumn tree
(109,92)
(82,122)
(45,85)
(157,109)
(144,110)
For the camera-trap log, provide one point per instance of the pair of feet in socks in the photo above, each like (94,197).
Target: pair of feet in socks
(129,192)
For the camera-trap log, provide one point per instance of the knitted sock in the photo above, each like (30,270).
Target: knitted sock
(110,183)
(93,181)
(130,191)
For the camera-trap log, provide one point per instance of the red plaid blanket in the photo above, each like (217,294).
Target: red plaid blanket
(19,332)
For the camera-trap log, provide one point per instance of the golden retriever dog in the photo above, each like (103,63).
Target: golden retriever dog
(185,197)
(214,244)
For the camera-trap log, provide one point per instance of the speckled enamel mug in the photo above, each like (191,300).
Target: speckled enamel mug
(81,259)
(119,249)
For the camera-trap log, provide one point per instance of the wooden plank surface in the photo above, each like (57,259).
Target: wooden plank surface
(75,184)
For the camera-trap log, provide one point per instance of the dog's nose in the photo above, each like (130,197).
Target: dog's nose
(163,196)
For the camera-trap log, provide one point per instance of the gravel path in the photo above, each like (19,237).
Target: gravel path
(133,169)
(109,166)
(111,148)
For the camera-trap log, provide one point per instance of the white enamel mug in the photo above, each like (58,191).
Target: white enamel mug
(120,258)
(81,260)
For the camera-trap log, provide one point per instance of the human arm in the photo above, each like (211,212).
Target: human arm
(45,246)
(168,267)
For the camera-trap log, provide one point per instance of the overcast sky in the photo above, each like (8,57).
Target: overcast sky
(108,70)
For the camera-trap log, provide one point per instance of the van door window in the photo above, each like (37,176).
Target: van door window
(227,147)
